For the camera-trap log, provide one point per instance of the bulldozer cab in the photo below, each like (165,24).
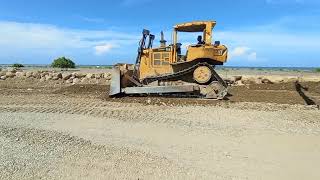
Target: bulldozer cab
(205,27)
(199,26)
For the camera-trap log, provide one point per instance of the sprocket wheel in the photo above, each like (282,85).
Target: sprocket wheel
(202,74)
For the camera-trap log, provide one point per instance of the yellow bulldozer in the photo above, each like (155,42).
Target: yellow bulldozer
(165,70)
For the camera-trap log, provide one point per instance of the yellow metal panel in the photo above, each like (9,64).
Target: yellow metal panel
(196,26)
(158,64)
(218,53)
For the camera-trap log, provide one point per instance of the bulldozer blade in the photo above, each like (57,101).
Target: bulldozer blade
(160,89)
(115,86)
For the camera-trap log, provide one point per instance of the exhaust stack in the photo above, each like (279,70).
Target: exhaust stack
(162,41)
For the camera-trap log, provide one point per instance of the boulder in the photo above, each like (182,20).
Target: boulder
(74,74)
(59,75)
(20,74)
(56,76)
(148,101)
(66,76)
(227,80)
(12,70)
(238,83)
(258,81)
(75,80)
(29,74)
(266,81)
(36,74)
(90,75)
(107,76)
(236,78)
(46,73)
(78,75)
(42,79)
(98,76)
(10,74)
(84,81)
(69,81)
(3,78)
(48,77)
(43,74)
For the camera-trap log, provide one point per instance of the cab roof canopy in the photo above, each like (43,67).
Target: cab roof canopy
(195,26)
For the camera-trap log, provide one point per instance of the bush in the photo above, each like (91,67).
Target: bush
(63,62)
(17,65)
(317,70)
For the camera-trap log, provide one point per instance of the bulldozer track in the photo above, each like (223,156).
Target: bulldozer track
(177,74)
(222,92)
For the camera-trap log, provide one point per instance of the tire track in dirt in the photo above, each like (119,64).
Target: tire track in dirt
(137,113)
(133,114)
(168,115)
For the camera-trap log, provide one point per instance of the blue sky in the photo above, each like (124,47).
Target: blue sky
(257,32)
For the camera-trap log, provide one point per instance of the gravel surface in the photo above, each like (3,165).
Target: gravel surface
(58,133)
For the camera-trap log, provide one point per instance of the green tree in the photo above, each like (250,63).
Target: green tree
(63,62)
(17,65)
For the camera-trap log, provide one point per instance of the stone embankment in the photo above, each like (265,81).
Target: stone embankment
(65,76)
(104,78)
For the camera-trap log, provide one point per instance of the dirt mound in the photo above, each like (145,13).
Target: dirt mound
(313,87)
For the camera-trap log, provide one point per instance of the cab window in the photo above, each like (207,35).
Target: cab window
(161,59)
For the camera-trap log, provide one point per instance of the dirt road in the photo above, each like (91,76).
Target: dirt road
(65,133)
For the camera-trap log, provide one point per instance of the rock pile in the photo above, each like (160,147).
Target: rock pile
(67,77)
(271,79)
(104,78)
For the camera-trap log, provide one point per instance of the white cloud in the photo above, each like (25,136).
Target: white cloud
(19,39)
(104,48)
(252,56)
(243,53)
(239,51)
